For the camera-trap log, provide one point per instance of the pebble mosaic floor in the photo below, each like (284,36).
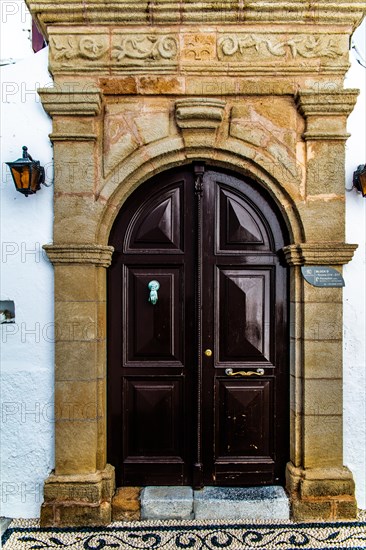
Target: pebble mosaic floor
(191,535)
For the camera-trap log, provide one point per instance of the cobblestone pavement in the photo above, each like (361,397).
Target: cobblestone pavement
(166,535)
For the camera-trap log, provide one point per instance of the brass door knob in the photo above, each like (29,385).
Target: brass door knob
(208,352)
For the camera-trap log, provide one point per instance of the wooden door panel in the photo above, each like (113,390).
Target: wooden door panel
(253,472)
(243,315)
(152,417)
(243,310)
(140,473)
(151,347)
(239,226)
(243,419)
(153,332)
(158,226)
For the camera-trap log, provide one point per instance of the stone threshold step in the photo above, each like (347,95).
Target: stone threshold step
(245,503)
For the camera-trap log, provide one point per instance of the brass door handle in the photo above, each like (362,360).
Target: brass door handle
(258,372)
(208,352)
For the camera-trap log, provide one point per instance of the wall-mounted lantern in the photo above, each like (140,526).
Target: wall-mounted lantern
(28,174)
(359,179)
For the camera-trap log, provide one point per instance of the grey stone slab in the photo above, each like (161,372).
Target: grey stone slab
(4,524)
(167,503)
(249,503)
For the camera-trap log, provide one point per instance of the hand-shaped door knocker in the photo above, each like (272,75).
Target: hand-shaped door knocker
(153,286)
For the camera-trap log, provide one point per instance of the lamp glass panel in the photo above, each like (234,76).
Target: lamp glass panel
(21,176)
(34,179)
(362,180)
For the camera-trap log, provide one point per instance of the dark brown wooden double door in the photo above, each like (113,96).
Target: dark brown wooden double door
(197,373)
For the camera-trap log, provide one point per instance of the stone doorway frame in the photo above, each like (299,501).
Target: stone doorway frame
(122,113)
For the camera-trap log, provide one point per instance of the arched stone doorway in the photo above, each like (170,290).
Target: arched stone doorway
(260,94)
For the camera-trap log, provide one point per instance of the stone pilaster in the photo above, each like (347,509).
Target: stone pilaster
(75,109)
(320,487)
(81,488)
(325,113)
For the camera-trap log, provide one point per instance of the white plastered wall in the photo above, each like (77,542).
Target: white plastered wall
(354,297)
(26,367)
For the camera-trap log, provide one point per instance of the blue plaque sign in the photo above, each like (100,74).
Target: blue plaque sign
(319,275)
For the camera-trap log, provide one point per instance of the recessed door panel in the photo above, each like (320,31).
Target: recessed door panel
(243,315)
(243,419)
(238,225)
(152,412)
(158,225)
(154,332)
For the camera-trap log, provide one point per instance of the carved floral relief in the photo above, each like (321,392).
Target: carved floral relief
(86,47)
(158,50)
(199,47)
(306,46)
(129,50)
(136,48)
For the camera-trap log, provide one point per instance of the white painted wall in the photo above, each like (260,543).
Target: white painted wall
(16,25)
(27,432)
(26,367)
(354,297)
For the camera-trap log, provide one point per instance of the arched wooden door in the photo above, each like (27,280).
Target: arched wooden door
(198,381)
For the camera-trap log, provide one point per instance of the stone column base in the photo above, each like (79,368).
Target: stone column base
(83,499)
(321,493)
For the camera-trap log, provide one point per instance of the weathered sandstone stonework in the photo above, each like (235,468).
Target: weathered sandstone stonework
(139,87)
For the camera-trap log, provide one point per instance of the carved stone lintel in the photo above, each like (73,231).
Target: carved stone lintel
(328,253)
(68,101)
(214,51)
(199,113)
(81,254)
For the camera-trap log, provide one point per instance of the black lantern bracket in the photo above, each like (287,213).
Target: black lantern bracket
(359,179)
(28,174)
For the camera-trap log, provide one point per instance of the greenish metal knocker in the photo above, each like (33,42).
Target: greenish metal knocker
(153,286)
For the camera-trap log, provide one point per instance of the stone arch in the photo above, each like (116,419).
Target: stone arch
(138,169)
